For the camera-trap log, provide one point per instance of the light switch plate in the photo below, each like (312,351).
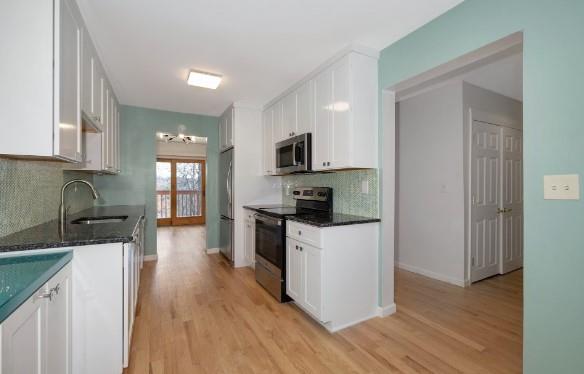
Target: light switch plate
(561,187)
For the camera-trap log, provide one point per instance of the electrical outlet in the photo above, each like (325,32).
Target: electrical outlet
(561,187)
(365,187)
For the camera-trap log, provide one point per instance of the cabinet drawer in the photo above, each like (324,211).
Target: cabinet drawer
(304,233)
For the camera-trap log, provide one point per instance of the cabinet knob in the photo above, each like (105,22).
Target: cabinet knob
(301,249)
(328,163)
(324,164)
(299,232)
(296,247)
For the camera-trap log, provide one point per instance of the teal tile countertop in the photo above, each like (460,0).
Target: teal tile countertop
(22,276)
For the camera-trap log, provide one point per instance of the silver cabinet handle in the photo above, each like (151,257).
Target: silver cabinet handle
(57,288)
(299,232)
(46,295)
(300,249)
(328,163)
(324,164)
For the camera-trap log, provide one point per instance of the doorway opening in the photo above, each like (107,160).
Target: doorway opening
(180,192)
(180,181)
(456,197)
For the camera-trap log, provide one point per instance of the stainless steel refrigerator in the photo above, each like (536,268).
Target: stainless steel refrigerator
(226,203)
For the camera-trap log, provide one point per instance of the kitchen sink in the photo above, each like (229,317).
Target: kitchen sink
(102,219)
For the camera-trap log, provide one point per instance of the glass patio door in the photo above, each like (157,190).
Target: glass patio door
(180,192)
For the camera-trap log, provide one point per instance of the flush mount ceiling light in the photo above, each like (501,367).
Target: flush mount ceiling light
(203,79)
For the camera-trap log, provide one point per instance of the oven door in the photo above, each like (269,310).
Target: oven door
(269,239)
(294,154)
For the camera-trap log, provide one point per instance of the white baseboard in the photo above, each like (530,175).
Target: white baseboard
(212,250)
(151,258)
(384,311)
(431,274)
(336,328)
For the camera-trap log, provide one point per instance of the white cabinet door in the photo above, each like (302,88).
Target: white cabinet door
(341,137)
(229,128)
(59,322)
(277,125)
(98,309)
(222,133)
(87,76)
(323,117)
(67,141)
(128,290)
(289,116)
(269,152)
(22,339)
(312,265)
(305,108)
(294,271)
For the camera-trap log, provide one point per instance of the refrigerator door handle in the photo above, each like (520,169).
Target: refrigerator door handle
(229,197)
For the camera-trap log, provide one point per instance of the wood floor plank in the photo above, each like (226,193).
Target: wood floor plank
(196,314)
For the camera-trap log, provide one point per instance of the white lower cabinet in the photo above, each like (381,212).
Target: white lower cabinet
(331,272)
(305,277)
(36,338)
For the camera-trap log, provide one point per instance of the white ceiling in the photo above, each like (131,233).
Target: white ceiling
(261,47)
(504,76)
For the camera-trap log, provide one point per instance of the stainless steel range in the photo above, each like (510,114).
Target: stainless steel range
(270,238)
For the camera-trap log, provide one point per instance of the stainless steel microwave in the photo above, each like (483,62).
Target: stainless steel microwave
(294,155)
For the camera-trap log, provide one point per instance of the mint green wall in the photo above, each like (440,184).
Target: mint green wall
(136,183)
(554,144)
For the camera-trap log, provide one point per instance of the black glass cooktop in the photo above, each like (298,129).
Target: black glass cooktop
(287,211)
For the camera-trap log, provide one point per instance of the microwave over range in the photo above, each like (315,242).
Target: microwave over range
(294,155)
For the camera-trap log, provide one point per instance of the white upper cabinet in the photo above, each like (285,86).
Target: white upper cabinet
(305,108)
(323,85)
(91,100)
(40,90)
(226,130)
(55,90)
(289,116)
(269,152)
(338,104)
(277,124)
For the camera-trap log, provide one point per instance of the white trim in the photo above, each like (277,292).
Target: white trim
(148,258)
(384,311)
(507,45)
(212,250)
(332,328)
(431,274)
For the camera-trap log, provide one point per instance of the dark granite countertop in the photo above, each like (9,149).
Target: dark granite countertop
(47,235)
(22,276)
(333,219)
(319,220)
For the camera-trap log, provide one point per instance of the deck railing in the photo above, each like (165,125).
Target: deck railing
(188,204)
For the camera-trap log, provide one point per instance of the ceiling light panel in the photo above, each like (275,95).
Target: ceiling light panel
(202,79)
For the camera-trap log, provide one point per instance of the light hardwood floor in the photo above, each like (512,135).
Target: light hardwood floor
(198,315)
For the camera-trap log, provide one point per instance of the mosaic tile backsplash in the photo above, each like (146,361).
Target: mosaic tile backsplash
(347,196)
(30,193)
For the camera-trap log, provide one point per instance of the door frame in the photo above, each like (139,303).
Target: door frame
(173,220)
(390,94)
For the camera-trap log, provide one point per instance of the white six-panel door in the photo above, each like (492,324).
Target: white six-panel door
(512,195)
(485,200)
(496,237)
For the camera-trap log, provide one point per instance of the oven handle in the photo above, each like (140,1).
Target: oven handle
(268,220)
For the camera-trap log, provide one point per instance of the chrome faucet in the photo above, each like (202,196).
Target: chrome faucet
(63,209)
